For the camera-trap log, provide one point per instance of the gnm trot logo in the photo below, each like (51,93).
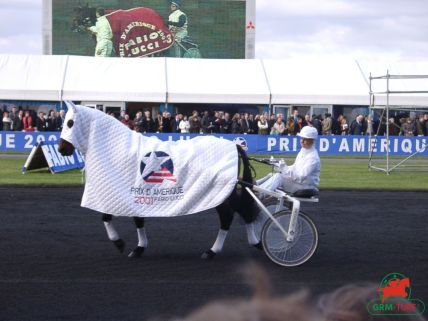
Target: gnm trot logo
(395,297)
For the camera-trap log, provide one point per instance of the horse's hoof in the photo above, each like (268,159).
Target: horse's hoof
(120,244)
(259,246)
(137,252)
(208,255)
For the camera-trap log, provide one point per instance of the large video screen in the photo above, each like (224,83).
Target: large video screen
(136,28)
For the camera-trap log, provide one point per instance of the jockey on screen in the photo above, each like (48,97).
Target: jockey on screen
(177,22)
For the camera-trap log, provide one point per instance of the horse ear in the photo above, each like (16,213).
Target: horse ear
(70,105)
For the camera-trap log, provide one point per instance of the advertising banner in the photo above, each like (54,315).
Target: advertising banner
(260,144)
(46,154)
(134,28)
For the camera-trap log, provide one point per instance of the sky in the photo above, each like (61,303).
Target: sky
(375,30)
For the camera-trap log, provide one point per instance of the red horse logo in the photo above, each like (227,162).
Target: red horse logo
(395,288)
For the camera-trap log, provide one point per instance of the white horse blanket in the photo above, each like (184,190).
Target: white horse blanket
(128,174)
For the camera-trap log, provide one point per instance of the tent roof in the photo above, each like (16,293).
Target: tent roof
(115,79)
(173,80)
(317,83)
(216,81)
(31,77)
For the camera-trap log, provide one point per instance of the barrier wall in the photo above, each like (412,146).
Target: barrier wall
(261,144)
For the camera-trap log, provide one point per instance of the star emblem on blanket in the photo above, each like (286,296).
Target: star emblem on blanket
(156,167)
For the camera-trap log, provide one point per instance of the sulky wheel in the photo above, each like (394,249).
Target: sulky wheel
(286,253)
(270,203)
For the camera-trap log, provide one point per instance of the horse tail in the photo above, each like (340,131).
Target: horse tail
(247,203)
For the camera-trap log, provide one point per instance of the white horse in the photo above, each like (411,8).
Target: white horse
(128,174)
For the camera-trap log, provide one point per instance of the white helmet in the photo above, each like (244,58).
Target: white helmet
(308,132)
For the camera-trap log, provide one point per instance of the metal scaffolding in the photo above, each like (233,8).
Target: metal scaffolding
(381,100)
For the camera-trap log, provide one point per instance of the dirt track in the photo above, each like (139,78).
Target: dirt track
(57,264)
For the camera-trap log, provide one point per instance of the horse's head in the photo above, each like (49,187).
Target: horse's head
(67,140)
(83,17)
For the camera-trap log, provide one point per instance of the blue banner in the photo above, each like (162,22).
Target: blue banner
(46,154)
(260,144)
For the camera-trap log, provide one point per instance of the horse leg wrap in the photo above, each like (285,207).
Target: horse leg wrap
(142,237)
(219,242)
(111,231)
(251,235)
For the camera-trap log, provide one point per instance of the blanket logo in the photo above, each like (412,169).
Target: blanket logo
(395,297)
(156,167)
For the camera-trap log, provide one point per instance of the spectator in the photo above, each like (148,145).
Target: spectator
(236,124)
(51,121)
(394,129)
(335,125)
(7,122)
(327,124)
(369,125)
(217,121)
(408,127)
(254,123)
(175,123)
(166,122)
(271,122)
(19,125)
(14,118)
(127,121)
(299,125)
(357,126)
(307,121)
(295,116)
(289,127)
(344,127)
(148,124)
(261,307)
(138,122)
(263,126)
(420,126)
(426,123)
(184,125)
(59,121)
(41,122)
(206,122)
(195,124)
(226,126)
(28,122)
(316,122)
(245,124)
(122,115)
(159,123)
(278,128)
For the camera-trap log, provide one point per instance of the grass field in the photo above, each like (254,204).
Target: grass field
(335,174)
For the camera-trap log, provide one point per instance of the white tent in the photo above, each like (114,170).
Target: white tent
(316,82)
(31,77)
(115,79)
(216,81)
(173,80)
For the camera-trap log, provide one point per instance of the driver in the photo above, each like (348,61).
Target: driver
(177,23)
(304,173)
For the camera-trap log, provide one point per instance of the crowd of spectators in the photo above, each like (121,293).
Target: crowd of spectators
(30,121)
(226,123)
